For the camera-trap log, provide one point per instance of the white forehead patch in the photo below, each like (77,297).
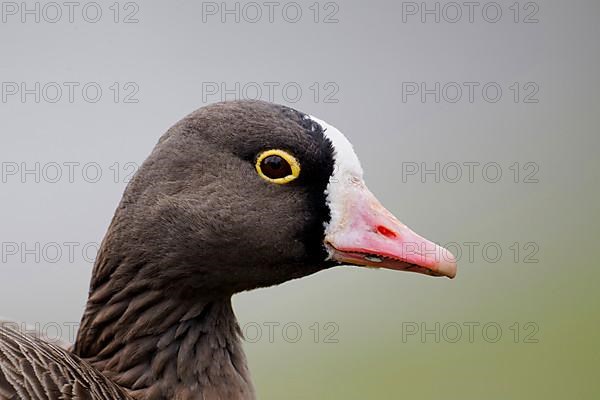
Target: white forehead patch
(346,160)
(347,173)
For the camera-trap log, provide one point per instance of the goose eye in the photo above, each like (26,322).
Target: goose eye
(277,166)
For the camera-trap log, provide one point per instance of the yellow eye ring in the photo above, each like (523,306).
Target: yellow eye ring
(277,166)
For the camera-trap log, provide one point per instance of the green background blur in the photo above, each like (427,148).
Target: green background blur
(367,346)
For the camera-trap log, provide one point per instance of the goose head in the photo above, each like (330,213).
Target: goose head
(248,194)
(236,196)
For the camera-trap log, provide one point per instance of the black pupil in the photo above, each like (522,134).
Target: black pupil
(275,167)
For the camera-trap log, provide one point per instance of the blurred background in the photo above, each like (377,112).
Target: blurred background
(476,124)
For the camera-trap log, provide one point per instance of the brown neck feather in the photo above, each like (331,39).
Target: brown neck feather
(163,345)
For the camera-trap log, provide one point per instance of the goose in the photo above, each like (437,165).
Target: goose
(236,196)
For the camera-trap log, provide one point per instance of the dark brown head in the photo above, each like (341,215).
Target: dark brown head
(246,194)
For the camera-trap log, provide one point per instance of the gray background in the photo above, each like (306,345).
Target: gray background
(175,51)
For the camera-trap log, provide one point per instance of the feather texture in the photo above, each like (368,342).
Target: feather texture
(33,369)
